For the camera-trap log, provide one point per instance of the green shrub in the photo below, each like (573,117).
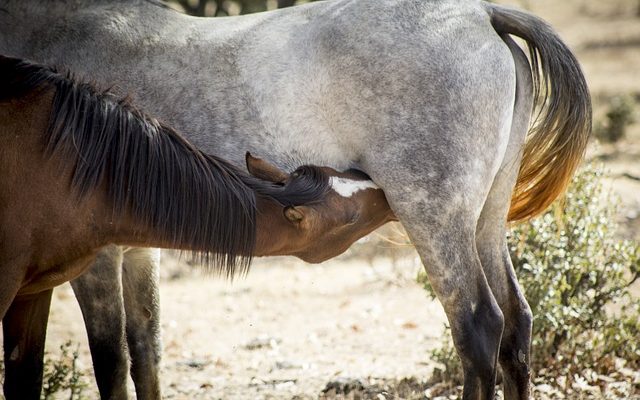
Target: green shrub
(620,115)
(62,375)
(61,378)
(576,276)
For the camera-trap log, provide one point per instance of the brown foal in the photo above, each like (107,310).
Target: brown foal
(80,169)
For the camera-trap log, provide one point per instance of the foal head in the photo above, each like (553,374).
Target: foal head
(352,208)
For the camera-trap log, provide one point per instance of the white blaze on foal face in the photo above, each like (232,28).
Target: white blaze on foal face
(347,187)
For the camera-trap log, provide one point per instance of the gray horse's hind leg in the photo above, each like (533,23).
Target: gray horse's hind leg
(99,293)
(492,246)
(455,272)
(442,225)
(475,319)
(437,184)
(140,278)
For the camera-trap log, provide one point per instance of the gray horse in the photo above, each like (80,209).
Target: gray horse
(432,99)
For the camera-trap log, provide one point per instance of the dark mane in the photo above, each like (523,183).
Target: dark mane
(191,198)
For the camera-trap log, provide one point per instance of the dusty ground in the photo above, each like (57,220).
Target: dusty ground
(289,328)
(285,330)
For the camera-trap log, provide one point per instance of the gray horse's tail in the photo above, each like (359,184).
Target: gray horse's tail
(560,131)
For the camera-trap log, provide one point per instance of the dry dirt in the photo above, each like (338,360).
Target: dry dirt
(289,328)
(285,330)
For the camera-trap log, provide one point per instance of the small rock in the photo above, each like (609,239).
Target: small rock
(409,325)
(262,342)
(344,386)
(284,385)
(288,365)
(605,378)
(196,364)
(545,388)
(256,382)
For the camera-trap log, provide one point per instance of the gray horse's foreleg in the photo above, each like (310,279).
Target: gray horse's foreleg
(24,328)
(99,293)
(142,304)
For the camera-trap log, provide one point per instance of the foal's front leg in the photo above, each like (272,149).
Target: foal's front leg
(24,328)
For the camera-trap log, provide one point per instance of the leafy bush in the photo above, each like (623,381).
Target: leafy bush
(576,276)
(620,115)
(62,375)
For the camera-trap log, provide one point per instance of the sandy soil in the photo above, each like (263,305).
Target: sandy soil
(285,330)
(289,328)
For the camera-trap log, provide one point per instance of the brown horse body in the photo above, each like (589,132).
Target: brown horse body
(80,170)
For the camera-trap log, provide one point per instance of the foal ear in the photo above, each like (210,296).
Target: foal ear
(264,170)
(293,214)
